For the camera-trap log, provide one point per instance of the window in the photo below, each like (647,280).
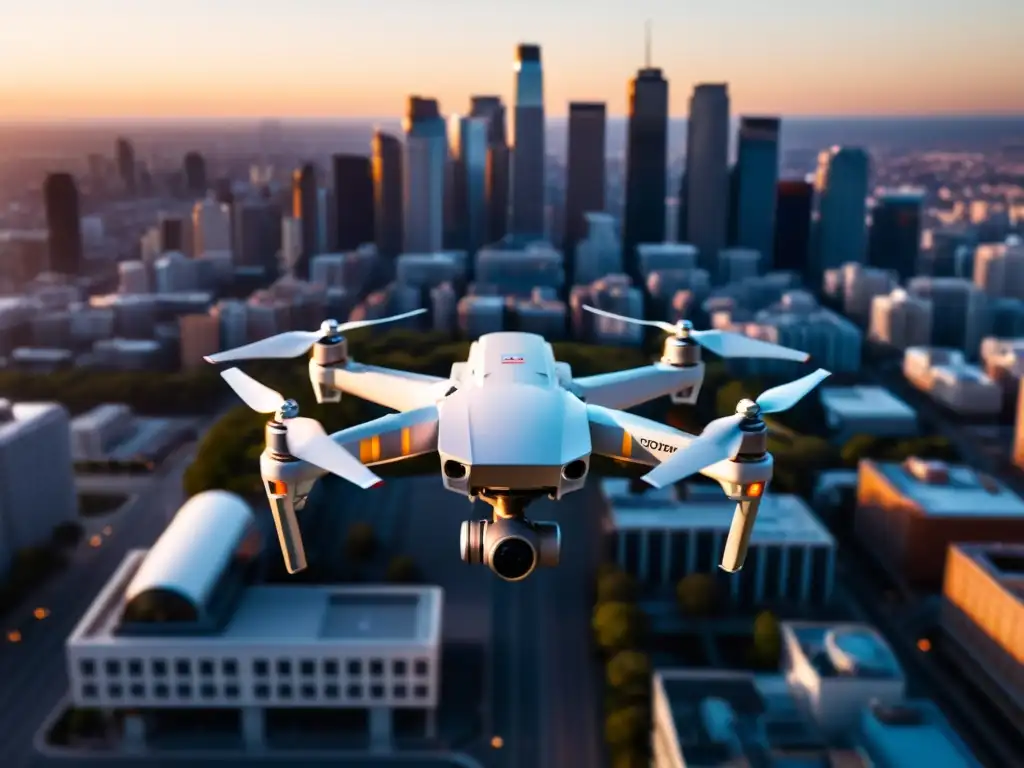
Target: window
(331,668)
(377,691)
(161,691)
(87,667)
(229,667)
(308,668)
(376,667)
(331,691)
(184,691)
(260,667)
(159,668)
(284,691)
(421,667)
(231,691)
(89,691)
(355,667)
(354,691)
(183,667)
(400,691)
(115,691)
(284,667)
(138,690)
(113,667)
(262,691)
(309,691)
(420,692)
(206,668)
(135,668)
(399,667)
(208,691)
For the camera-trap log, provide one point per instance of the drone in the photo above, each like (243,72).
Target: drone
(511,425)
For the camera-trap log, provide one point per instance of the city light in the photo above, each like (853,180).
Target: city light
(14,636)
(41,613)
(497,742)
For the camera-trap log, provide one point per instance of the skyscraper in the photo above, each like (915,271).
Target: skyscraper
(195,173)
(424,168)
(468,139)
(646,163)
(493,110)
(707,172)
(126,164)
(305,208)
(793,203)
(353,201)
(64,223)
(585,174)
(756,179)
(894,241)
(387,193)
(839,226)
(528,155)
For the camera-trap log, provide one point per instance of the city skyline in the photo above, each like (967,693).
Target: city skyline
(252,60)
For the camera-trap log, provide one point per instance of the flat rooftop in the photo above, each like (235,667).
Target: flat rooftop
(914,733)
(25,413)
(782,518)
(963,493)
(865,402)
(1003,563)
(870,656)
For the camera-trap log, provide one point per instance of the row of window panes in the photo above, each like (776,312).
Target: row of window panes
(261,691)
(261,667)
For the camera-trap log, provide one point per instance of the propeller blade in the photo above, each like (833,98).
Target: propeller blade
(379,321)
(308,441)
(785,396)
(284,345)
(667,327)
(259,397)
(719,441)
(729,344)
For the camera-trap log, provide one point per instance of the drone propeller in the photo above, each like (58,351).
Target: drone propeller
(722,343)
(306,438)
(294,343)
(722,439)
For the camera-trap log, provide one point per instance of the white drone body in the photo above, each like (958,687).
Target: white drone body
(512,424)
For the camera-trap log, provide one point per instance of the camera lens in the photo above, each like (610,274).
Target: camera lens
(513,558)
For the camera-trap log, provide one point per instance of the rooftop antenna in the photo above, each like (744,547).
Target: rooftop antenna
(647,44)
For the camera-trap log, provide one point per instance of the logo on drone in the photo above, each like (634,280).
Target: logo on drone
(654,445)
(512,360)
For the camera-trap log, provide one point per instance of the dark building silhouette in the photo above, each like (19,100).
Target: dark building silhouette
(754,186)
(172,233)
(126,164)
(529,187)
(498,159)
(386,169)
(353,201)
(585,174)
(733,218)
(646,165)
(64,223)
(894,241)
(195,174)
(793,204)
(305,207)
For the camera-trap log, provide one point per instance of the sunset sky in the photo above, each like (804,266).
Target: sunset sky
(353,58)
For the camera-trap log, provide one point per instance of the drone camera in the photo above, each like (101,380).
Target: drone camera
(511,548)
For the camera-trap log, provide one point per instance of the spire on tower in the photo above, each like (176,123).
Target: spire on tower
(647,44)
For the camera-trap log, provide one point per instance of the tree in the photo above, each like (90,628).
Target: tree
(629,675)
(361,542)
(767,648)
(617,626)
(616,587)
(626,728)
(402,570)
(696,594)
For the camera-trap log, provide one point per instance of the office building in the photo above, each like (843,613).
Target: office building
(864,410)
(95,432)
(646,163)
(499,171)
(199,336)
(999,269)
(983,613)
(132,277)
(170,233)
(947,377)
(794,201)
(894,241)
(913,732)
(707,172)
(63,223)
(948,252)
(354,191)
(257,235)
(194,169)
(468,193)
(900,320)
(517,271)
(655,257)
(211,227)
(659,540)
(856,286)
(387,193)
(184,627)
(479,315)
(959,311)
(909,514)
(529,184)
(306,210)
(585,172)
(126,169)
(840,215)
(424,168)
(32,436)
(599,253)
(756,179)
(738,264)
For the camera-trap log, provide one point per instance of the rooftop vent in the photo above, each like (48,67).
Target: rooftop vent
(927,470)
(897,716)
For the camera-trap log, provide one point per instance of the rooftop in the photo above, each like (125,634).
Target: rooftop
(873,402)
(1004,564)
(844,650)
(26,413)
(940,489)
(913,733)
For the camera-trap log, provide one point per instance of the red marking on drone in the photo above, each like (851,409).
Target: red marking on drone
(512,359)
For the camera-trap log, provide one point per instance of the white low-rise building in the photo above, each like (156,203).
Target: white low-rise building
(946,376)
(95,432)
(867,411)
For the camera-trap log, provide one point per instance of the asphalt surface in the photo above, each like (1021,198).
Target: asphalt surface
(33,670)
